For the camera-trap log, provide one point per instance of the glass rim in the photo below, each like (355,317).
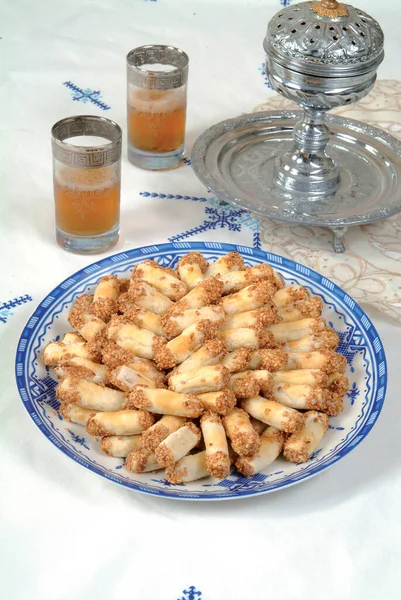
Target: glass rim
(132,55)
(86,156)
(113,141)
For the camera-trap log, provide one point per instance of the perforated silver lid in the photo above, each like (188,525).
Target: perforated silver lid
(325,38)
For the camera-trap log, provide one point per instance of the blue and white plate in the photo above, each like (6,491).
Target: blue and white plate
(360,344)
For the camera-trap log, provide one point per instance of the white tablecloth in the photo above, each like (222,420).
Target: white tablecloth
(65,533)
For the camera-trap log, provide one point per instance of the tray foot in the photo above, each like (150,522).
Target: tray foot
(338,234)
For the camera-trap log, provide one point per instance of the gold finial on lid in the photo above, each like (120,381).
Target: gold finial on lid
(330,8)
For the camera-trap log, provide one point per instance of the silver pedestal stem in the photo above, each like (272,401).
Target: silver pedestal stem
(306,168)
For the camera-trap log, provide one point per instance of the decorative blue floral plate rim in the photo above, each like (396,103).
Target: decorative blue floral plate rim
(359,342)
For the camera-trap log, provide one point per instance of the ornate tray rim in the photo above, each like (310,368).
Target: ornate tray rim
(214,183)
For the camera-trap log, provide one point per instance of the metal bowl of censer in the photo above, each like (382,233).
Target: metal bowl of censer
(308,167)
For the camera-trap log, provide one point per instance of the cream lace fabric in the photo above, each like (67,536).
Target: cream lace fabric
(370,269)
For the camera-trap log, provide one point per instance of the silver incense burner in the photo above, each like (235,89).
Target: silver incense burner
(306,166)
(320,55)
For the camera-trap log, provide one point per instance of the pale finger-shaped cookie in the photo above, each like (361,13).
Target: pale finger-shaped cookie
(141,342)
(146,296)
(237,360)
(71,345)
(274,414)
(105,298)
(324,340)
(234,281)
(114,356)
(192,268)
(200,381)
(90,395)
(269,359)
(181,347)
(246,337)
(260,317)
(300,397)
(165,402)
(123,422)
(217,457)
(204,294)
(226,264)
(221,402)
(244,439)
(152,437)
(312,377)
(189,468)
(74,413)
(161,279)
(326,360)
(177,444)
(300,446)
(145,319)
(290,295)
(175,324)
(249,298)
(141,461)
(309,308)
(86,323)
(296,330)
(120,446)
(125,378)
(244,384)
(211,353)
(81,368)
(271,444)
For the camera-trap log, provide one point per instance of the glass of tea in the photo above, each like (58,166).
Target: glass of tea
(86,177)
(157,100)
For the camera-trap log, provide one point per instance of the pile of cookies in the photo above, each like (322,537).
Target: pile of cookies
(200,369)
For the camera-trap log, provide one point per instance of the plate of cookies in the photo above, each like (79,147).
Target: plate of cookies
(201,370)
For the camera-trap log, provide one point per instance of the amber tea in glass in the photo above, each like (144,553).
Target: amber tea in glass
(86,174)
(156,106)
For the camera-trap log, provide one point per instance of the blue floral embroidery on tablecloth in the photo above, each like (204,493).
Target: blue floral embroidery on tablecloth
(220,215)
(5,307)
(262,69)
(86,95)
(191,594)
(285,3)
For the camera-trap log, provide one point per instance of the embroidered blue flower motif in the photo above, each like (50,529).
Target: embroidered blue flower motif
(86,95)
(191,594)
(80,441)
(5,307)
(220,215)
(353,393)
(285,3)
(262,69)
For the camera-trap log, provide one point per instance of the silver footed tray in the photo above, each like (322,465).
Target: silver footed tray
(235,160)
